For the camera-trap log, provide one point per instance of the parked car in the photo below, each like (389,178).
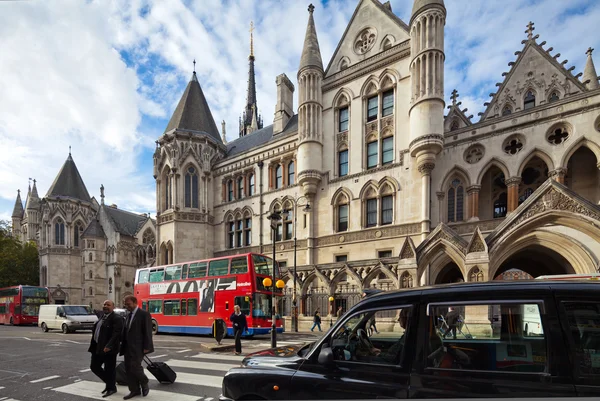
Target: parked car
(67,318)
(467,357)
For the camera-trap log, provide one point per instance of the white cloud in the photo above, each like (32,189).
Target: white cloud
(86,73)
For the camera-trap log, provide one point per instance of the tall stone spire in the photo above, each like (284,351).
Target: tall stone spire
(33,199)
(251,111)
(589,73)
(311,54)
(18,209)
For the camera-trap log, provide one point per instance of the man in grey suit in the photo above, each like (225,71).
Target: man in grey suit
(137,342)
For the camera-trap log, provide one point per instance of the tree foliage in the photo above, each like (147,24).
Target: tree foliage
(19,262)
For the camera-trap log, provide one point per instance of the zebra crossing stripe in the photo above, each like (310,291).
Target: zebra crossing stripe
(222,367)
(237,358)
(196,379)
(93,390)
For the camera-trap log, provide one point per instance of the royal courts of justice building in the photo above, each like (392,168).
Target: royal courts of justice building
(403,188)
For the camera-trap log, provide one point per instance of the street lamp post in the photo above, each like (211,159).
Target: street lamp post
(274,217)
(331,311)
(295,295)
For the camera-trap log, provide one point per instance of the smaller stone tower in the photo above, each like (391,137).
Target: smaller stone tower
(17,216)
(589,73)
(32,210)
(427,94)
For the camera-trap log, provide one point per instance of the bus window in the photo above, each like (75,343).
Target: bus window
(218,267)
(156,275)
(155,306)
(145,305)
(172,308)
(184,271)
(143,276)
(184,307)
(197,270)
(239,265)
(192,308)
(244,304)
(262,265)
(173,273)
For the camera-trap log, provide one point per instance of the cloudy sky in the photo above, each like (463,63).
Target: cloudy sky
(104,76)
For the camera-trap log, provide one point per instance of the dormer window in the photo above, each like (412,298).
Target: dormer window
(529,101)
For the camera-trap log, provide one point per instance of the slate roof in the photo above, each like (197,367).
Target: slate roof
(193,113)
(124,222)
(94,229)
(259,138)
(68,183)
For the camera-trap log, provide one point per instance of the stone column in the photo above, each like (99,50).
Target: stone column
(270,171)
(513,193)
(310,240)
(473,203)
(425,169)
(558,175)
(441,196)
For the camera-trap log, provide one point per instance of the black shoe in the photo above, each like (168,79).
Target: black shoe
(145,391)
(131,395)
(109,393)
(105,390)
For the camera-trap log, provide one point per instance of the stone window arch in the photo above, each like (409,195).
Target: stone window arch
(558,134)
(474,153)
(370,203)
(455,125)
(365,41)
(148,236)
(230,231)
(90,275)
(554,96)
(77,232)
(513,145)
(278,176)
(291,177)
(506,110)
(529,100)
(387,43)
(341,212)
(251,184)
(167,197)
(456,196)
(230,194)
(59,232)
(476,274)
(406,280)
(91,291)
(90,257)
(191,187)
(240,187)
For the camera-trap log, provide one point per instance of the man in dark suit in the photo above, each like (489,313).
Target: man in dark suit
(104,346)
(452,320)
(137,342)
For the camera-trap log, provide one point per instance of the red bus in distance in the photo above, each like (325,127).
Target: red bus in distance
(21,304)
(188,297)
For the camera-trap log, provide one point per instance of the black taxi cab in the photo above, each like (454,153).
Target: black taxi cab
(520,339)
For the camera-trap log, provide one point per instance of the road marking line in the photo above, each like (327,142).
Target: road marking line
(238,358)
(27,338)
(45,379)
(197,379)
(47,388)
(73,342)
(1,388)
(223,367)
(85,370)
(209,399)
(183,350)
(158,356)
(91,389)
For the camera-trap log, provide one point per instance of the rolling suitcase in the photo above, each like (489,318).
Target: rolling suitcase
(121,374)
(161,371)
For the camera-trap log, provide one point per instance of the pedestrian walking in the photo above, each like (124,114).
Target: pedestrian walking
(316,321)
(339,312)
(452,320)
(137,342)
(104,346)
(372,325)
(238,320)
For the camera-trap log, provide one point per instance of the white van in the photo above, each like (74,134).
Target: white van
(68,318)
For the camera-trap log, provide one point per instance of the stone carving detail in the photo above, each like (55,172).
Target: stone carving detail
(513,145)
(426,168)
(366,235)
(365,41)
(407,251)
(477,245)
(442,232)
(487,225)
(474,153)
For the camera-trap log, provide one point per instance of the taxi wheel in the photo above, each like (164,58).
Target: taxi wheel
(44,328)
(65,328)
(154,327)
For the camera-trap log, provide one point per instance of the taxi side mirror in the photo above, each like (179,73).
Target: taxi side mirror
(326,355)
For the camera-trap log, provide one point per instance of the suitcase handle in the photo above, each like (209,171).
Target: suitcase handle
(147,360)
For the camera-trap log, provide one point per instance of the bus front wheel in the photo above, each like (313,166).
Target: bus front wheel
(154,327)
(65,328)
(44,328)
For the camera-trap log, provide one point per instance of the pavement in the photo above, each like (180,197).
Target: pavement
(54,366)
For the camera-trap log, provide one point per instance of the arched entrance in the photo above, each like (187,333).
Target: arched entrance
(450,273)
(533,261)
(583,175)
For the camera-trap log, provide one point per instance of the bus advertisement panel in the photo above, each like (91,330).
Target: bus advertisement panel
(21,304)
(188,297)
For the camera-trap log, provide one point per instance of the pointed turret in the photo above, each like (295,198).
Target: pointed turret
(223,134)
(193,113)
(250,121)
(18,209)
(311,54)
(68,183)
(33,199)
(589,73)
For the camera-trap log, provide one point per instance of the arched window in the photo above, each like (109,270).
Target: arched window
(191,188)
(167,189)
(507,110)
(59,232)
(251,184)
(288,222)
(529,101)
(91,291)
(291,173)
(231,234)
(476,275)
(229,190)
(406,280)
(454,125)
(279,176)
(77,231)
(248,229)
(500,206)
(90,257)
(553,97)
(371,209)
(240,187)
(239,231)
(342,221)
(90,275)
(456,195)
(387,44)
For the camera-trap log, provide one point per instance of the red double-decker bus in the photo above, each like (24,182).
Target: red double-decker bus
(21,304)
(188,297)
